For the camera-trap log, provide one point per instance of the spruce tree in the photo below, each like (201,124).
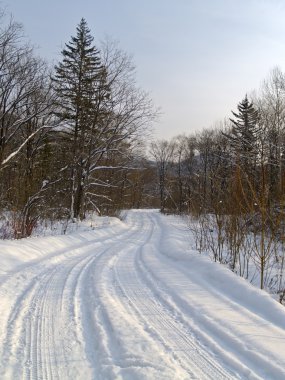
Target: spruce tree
(244,133)
(243,136)
(77,80)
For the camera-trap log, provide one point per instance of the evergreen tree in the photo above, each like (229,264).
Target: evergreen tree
(244,133)
(77,82)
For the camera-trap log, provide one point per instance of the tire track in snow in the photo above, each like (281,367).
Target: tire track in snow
(104,340)
(211,328)
(63,309)
(161,323)
(49,346)
(24,322)
(17,339)
(36,320)
(48,295)
(97,329)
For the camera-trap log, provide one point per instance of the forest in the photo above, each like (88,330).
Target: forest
(74,139)
(70,136)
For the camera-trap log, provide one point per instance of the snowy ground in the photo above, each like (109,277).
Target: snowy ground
(132,301)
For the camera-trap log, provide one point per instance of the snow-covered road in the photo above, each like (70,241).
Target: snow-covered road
(131,301)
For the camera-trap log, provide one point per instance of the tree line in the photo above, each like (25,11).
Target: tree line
(71,136)
(231,180)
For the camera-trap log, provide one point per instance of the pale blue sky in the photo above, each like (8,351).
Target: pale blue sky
(197,58)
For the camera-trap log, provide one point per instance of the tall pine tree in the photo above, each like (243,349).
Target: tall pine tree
(77,82)
(244,133)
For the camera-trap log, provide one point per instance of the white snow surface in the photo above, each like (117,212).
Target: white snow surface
(131,300)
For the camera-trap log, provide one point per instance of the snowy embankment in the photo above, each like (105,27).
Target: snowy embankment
(132,301)
(18,253)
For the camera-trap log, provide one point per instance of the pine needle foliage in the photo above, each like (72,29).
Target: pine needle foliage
(245,131)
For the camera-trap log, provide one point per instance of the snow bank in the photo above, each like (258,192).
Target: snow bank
(175,246)
(15,253)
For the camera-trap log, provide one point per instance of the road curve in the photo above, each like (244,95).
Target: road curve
(114,308)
